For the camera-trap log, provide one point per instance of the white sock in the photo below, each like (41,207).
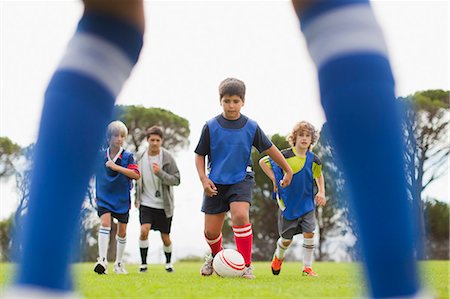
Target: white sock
(103,242)
(308,249)
(143,243)
(281,249)
(167,249)
(121,243)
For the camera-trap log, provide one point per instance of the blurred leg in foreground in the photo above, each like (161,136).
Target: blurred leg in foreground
(357,94)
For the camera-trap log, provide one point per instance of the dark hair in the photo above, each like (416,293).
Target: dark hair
(155,130)
(232,87)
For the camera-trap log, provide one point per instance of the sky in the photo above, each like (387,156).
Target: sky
(190,46)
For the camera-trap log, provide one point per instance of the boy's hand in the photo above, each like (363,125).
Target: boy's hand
(111,165)
(209,187)
(320,199)
(155,167)
(136,204)
(275,186)
(287,178)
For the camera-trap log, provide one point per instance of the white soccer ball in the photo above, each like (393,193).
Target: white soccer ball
(229,263)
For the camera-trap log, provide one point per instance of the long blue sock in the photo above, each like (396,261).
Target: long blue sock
(78,105)
(357,94)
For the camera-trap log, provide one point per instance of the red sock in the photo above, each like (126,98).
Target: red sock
(243,236)
(215,244)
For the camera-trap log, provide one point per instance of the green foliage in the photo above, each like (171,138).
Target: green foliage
(337,280)
(138,119)
(5,238)
(8,152)
(437,221)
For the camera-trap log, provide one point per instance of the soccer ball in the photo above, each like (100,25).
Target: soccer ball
(229,263)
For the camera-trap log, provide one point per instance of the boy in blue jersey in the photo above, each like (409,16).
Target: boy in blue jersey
(357,92)
(84,88)
(227,140)
(296,201)
(112,186)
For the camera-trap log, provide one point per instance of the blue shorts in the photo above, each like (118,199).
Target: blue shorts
(227,194)
(122,218)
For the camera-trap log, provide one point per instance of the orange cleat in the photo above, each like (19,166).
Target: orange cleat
(276,265)
(308,271)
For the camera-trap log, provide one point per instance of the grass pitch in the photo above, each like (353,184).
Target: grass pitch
(337,280)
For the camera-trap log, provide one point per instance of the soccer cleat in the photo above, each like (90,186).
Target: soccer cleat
(119,268)
(143,268)
(101,267)
(276,265)
(207,268)
(248,273)
(169,267)
(308,271)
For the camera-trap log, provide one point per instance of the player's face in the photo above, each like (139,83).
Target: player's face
(231,106)
(304,139)
(117,140)
(154,142)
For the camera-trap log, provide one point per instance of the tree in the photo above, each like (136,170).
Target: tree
(8,152)
(5,239)
(437,240)
(425,126)
(138,119)
(334,219)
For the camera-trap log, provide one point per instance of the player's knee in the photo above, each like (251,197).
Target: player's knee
(286,242)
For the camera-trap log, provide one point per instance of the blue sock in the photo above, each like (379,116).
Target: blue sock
(78,106)
(357,94)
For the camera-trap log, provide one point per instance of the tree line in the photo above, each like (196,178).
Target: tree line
(425,117)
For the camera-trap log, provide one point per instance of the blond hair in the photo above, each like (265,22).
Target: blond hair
(300,127)
(116,127)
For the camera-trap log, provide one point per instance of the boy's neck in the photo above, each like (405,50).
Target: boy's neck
(301,151)
(113,150)
(238,116)
(153,152)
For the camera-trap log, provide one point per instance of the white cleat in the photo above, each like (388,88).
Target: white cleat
(119,268)
(207,268)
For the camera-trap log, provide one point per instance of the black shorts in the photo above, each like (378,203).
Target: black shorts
(227,194)
(122,218)
(156,218)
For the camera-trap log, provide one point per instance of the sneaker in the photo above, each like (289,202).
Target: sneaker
(101,267)
(207,268)
(276,265)
(119,268)
(308,271)
(169,267)
(248,273)
(143,268)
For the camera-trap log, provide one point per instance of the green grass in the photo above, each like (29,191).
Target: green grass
(337,280)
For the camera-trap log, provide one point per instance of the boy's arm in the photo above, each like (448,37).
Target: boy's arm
(278,158)
(208,185)
(320,196)
(131,173)
(171,178)
(268,171)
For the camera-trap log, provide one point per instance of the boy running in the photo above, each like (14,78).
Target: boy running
(227,140)
(112,185)
(296,202)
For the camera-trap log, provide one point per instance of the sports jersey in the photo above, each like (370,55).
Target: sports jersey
(297,199)
(112,187)
(227,143)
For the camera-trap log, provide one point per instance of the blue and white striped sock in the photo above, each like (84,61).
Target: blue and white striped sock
(357,94)
(78,105)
